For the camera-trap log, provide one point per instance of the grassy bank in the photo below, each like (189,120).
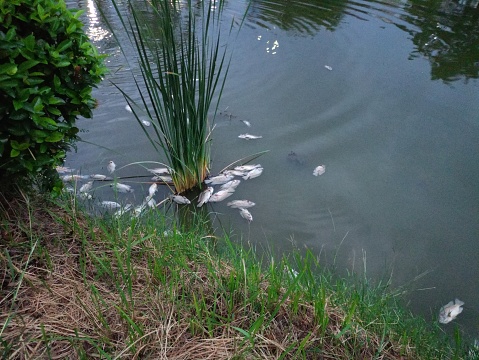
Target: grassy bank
(79,288)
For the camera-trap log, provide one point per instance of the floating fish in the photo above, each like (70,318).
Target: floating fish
(138,210)
(160,171)
(74,177)
(122,210)
(180,199)
(240,204)
(111,166)
(249,136)
(150,202)
(221,195)
(319,170)
(253,173)
(328,67)
(85,196)
(247,167)
(450,311)
(246,122)
(164,178)
(233,184)
(234,172)
(219,179)
(110,205)
(86,187)
(145,122)
(123,188)
(63,169)
(152,189)
(245,214)
(205,196)
(98,177)
(128,108)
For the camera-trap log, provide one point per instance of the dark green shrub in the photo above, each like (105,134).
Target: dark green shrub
(47,70)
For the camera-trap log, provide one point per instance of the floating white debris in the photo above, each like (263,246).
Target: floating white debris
(249,136)
(180,199)
(253,173)
(328,67)
(110,205)
(219,179)
(128,108)
(319,170)
(245,214)
(246,122)
(85,196)
(450,311)
(241,204)
(205,196)
(111,166)
(123,188)
(146,122)
(221,195)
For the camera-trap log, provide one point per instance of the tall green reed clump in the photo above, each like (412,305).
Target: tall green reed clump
(182,71)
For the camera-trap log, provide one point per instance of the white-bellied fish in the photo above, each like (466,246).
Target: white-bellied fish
(146,122)
(234,172)
(221,195)
(180,199)
(111,166)
(250,137)
(150,202)
(450,311)
(163,178)
(319,170)
(128,108)
(98,177)
(241,204)
(110,205)
(160,171)
(122,210)
(74,177)
(233,184)
(63,169)
(246,122)
(152,189)
(253,173)
(123,188)
(205,196)
(86,187)
(245,214)
(219,179)
(247,167)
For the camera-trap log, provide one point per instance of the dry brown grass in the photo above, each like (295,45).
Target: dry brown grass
(66,307)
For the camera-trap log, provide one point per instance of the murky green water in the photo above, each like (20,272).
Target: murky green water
(383,93)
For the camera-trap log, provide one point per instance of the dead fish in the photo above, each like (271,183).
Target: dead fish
(63,169)
(221,195)
(74,177)
(253,173)
(205,196)
(111,166)
(152,189)
(233,184)
(128,108)
(150,202)
(246,122)
(122,210)
(450,311)
(123,188)
(85,196)
(145,122)
(319,170)
(98,177)
(180,199)
(86,187)
(328,67)
(163,178)
(241,204)
(250,137)
(160,171)
(110,205)
(234,172)
(247,167)
(245,214)
(219,179)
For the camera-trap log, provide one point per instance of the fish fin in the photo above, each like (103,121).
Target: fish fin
(459,302)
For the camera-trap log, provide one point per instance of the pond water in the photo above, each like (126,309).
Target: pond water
(384,94)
